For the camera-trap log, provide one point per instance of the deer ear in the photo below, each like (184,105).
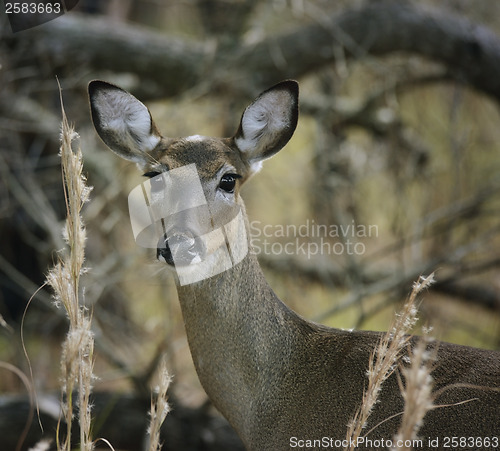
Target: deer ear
(268,123)
(123,122)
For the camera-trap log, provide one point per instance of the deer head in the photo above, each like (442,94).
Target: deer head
(196,215)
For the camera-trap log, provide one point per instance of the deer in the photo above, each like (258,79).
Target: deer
(277,377)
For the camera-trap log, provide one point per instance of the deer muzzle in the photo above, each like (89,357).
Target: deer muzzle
(180,248)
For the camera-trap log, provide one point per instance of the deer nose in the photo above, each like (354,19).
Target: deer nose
(180,248)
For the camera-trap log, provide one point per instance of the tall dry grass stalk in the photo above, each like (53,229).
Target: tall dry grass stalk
(159,408)
(77,358)
(416,392)
(384,359)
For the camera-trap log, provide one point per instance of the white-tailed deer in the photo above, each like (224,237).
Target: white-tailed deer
(275,376)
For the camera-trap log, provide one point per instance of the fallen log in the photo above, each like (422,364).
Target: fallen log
(120,418)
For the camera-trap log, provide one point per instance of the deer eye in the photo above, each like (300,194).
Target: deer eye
(228,182)
(151,174)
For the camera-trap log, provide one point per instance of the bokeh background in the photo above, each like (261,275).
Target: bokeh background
(398,137)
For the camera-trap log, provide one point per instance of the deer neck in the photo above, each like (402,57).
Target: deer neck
(236,327)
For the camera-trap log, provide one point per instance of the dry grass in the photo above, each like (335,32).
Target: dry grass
(385,359)
(159,408)
(416,392)
(77,358)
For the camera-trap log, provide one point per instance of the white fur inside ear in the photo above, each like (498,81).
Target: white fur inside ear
(128,119)
(253,123)
(261,121)
(266,126)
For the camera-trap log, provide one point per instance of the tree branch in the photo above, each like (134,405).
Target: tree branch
(173,64)
(381,28)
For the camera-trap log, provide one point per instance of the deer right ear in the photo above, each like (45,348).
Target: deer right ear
(123,122)
(268,123)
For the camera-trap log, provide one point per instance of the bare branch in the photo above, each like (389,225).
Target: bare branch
(173,64)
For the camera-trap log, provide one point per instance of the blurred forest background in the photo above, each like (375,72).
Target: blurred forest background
(399,129)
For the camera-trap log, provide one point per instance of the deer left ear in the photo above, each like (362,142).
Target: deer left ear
(268,123)
(123,122)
